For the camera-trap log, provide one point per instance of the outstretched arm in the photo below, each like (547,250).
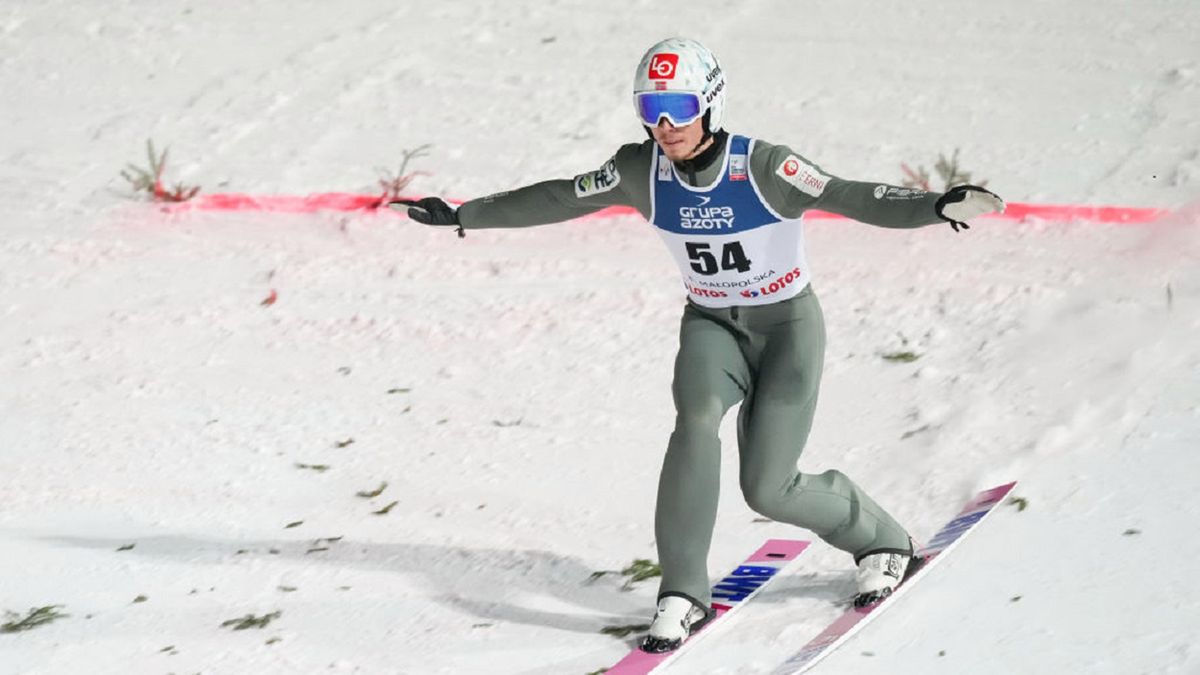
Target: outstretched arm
(793,185)
(878,204)
(550,201)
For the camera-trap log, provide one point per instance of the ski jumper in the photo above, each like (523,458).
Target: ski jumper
(751,332)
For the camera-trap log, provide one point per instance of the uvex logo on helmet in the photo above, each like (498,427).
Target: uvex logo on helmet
(663,66)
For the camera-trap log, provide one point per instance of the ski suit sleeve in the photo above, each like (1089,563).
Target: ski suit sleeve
(615,183)
(791,185)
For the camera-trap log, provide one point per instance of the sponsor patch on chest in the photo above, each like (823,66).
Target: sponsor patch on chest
(664,168)
(802,175)
(737,167)
(599,181)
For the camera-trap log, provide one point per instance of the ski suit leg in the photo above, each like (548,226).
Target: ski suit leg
(773,426)
(711,376)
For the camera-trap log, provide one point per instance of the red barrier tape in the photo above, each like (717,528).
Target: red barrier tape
(320,201)
(346,201)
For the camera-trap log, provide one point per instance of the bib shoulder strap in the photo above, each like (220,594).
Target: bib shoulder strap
(739,145)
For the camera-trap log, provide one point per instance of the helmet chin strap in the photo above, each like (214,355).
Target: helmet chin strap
(705,138)
(704,121)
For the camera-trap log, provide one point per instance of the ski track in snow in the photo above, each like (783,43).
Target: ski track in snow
(512,388)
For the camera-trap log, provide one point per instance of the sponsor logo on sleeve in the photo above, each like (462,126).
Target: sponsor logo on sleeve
(663,66)
(802,175)
(898,194)
(597,182)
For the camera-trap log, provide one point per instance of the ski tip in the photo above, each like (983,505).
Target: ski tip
(994,494)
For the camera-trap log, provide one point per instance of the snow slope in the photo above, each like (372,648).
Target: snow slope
(512,388)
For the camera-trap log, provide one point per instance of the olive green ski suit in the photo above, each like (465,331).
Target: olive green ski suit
(768,357)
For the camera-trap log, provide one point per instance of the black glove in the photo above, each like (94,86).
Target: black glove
(966,201)
(429,211)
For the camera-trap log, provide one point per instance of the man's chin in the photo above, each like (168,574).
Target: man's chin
(676,152)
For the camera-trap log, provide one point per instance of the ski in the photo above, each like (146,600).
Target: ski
(854,619)
(728,594)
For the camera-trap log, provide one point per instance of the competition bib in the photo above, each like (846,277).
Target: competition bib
(730,245)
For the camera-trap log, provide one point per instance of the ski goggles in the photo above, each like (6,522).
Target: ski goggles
(681,108)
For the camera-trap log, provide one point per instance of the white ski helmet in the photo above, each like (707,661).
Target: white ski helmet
(680,79)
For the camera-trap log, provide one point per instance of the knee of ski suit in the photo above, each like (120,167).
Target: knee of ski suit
(812,501)
(700,419)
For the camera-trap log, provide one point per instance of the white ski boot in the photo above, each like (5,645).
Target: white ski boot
(677,618)
(880,573)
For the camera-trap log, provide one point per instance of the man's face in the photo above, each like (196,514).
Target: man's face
(679,143)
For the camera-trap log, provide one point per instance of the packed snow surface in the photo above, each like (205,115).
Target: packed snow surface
(420,453)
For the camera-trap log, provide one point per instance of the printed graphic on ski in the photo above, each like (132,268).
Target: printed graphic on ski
(855,619)
(728,594)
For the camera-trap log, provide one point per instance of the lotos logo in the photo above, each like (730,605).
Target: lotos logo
(775,286)
(662,66)
(791,167)
(704,292)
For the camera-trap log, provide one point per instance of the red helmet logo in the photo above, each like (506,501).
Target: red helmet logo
(662,66)
(790,167)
